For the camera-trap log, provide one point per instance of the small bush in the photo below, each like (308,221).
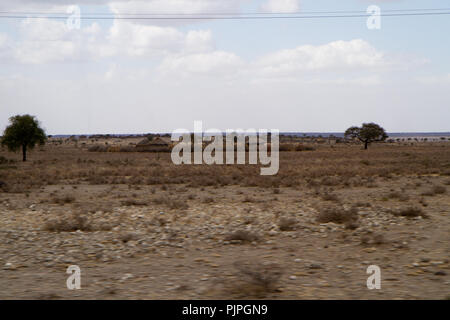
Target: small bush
(428,193)
(73,223)
(363,204)
(257,279)
(242,235)
(208,200)
(351,225)
(331,181)
(98,148)
(439,189)
(398,195)
(63,200)
(302,147)
(286,147)
(171,203)
(411,212)
(337,215)
(287,224)
(177,204)
(248,199)
(191,196)
(423,202)
(434,191)
(134,202)
(4,160)
(127,237)
(373,239)
(379,239)
(330,197)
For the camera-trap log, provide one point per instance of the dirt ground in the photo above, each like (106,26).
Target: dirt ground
(140,227)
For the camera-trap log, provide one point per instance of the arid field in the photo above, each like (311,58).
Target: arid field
(140,227)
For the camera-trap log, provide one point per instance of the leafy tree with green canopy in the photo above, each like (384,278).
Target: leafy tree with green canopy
(23,132)
(367,133)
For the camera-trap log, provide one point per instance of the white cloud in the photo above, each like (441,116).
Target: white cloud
(131,39)
(337,55)
(43,29)
(353,62)
(34,53)
(214,64)
(139,40)
(193,53)
(5,47)
(168,70)
(3,39)
(45,41)
(434,80)
(199,41)
(281,6)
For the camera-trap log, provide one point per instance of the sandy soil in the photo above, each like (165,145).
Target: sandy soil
(175,241)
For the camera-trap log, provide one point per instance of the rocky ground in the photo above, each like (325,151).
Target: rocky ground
(227,242)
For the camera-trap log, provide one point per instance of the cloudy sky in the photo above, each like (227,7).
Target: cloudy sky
(136,76)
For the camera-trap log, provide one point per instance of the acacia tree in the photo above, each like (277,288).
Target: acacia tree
(23,132)
(367,133)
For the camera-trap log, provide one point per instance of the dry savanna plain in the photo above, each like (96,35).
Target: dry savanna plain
(140,227)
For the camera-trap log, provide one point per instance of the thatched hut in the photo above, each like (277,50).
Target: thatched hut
(158,144)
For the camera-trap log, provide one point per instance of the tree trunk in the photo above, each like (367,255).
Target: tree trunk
(366,143)
(24,152)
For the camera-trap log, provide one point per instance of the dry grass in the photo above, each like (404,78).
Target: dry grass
(439,190)
(69,165)
(171,202)
(208,200)
(337,214)
(373,239)
(134,202)
(329,196)
(411,212)
(434,191)
(399,195)
(256,279)
(72,223)
(63,200)
(287,223)
(242,235)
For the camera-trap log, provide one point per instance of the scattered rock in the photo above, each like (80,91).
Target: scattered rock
(126,276)
(315,266)
(9,266)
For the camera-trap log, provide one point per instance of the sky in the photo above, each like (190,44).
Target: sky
(302,75)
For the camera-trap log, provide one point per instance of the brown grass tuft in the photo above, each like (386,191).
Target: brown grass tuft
(411,212)
(242,235)
(256,279)
(337,214)
(72,223)
(287,224)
